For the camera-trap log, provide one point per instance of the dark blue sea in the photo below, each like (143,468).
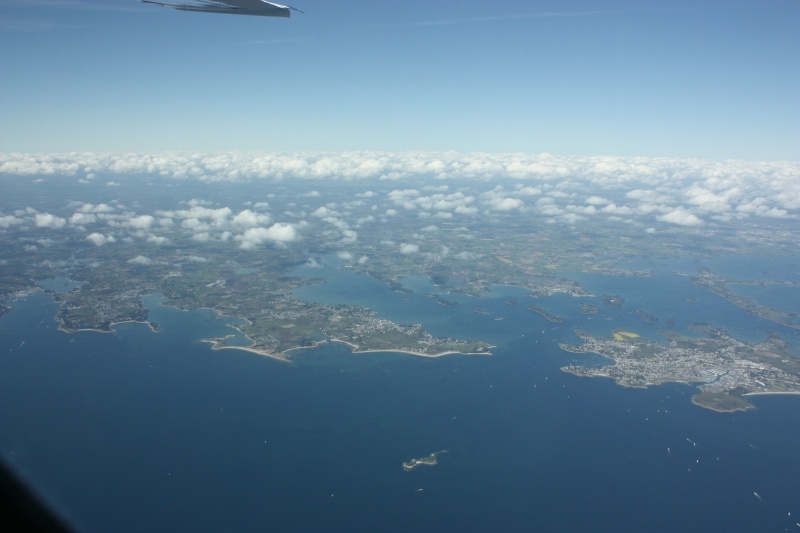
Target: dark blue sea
(143,431)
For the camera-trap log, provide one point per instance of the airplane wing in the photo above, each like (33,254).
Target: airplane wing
(231,7)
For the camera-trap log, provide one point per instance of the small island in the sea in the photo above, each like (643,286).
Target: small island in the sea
(429,460)
(588,309)
(446,303)
(647,317)
(547,314)
(613,300)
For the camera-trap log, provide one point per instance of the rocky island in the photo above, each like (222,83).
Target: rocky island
(429,460)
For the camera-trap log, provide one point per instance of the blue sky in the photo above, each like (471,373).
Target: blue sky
(713,80)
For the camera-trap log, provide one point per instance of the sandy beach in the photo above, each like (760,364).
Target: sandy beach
(356,350)
(110,326)
(217,344)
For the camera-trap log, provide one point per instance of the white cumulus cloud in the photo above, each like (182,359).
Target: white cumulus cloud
(682,217)
(409,248)
(248,218)
(80,218)
(140,260)
(46,220)
(277,233)
(98,239)
(505,204)
(141,222)
(9,220)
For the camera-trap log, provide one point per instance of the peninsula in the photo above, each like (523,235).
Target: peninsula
(726,369)
(718,285)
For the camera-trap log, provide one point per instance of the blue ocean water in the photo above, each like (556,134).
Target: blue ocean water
(142,431)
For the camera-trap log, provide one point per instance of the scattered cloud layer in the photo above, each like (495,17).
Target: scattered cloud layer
(443,186)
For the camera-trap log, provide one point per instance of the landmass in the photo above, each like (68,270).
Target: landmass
(429,460)
(726,369)
(290,324)
(626,272)
(203,246)
(258,292)
(717,284)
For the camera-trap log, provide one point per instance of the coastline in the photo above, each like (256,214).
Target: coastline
(216,344)
(718,410)
(616,381)
(409,352)
(283,356)
(21,295)
(110,327)
(693,399)
(217,312)
(531,290)
(769,393)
